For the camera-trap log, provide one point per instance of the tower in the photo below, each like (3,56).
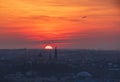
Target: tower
(56,54)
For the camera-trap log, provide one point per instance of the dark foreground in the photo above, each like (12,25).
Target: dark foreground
(30,65)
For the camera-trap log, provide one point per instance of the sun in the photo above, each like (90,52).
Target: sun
(48,47)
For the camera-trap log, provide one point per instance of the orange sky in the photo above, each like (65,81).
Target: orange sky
(91,24)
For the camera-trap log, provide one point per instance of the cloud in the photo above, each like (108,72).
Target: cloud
(117,3)
(53,18)
(67,2)
(51,41)
(79,2)
(37,17)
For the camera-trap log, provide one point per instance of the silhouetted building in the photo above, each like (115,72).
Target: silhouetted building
(40,55)
(50,55)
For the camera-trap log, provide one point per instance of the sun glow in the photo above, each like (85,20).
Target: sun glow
(48,47)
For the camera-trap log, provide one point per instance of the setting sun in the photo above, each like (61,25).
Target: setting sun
(48,47)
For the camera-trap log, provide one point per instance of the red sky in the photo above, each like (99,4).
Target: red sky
(83,24)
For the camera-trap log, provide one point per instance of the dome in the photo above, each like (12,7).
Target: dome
(84,74)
